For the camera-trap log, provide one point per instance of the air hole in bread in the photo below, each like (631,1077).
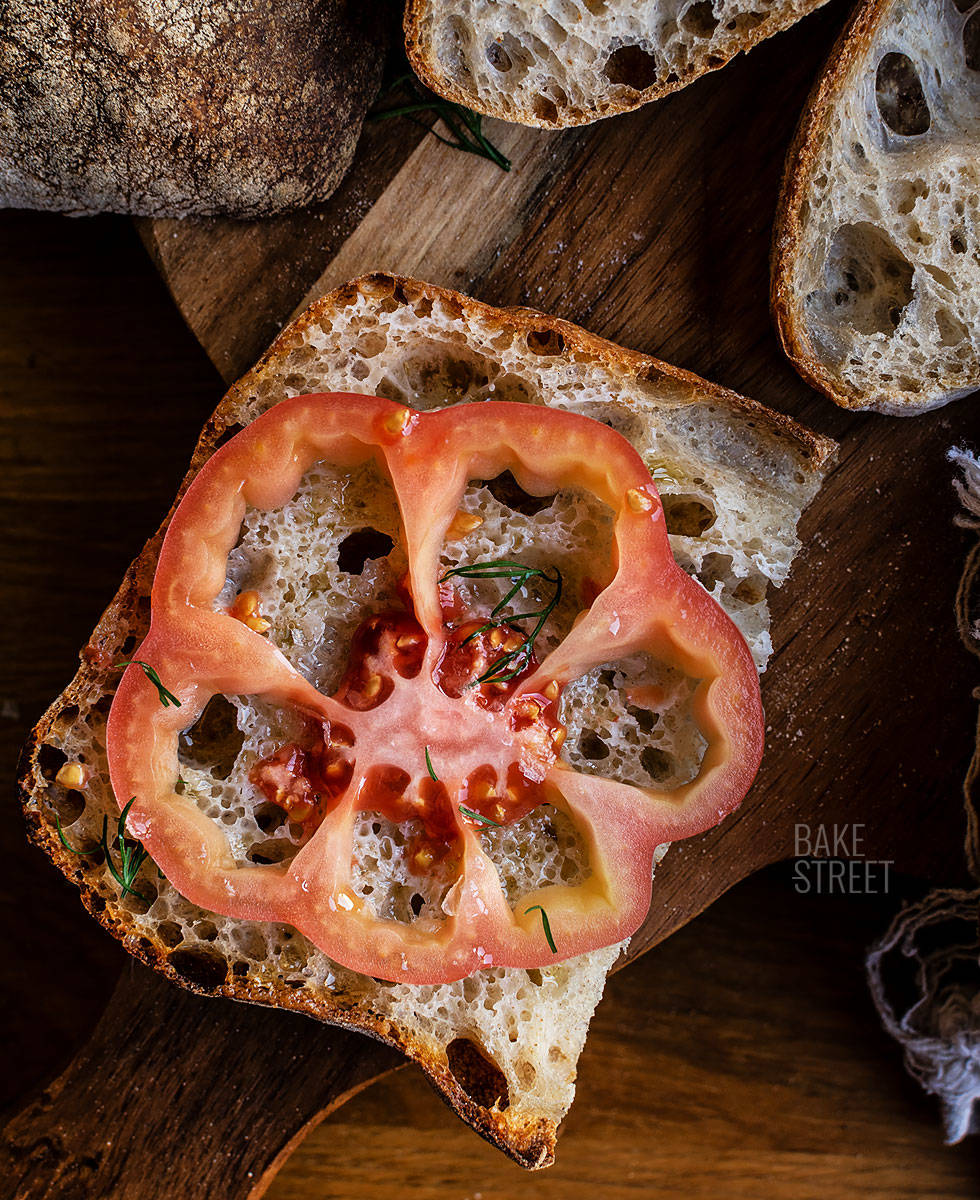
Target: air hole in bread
(957,241)
(67,805)
(632,67)
(869,282)
(202,969)
(498,58)
(592,747)
(971,41)
(378,286)
(901,100)
(751,591)
(451,40)
(249,941)
(170,933)
(67,716)
(952,331)
(747,21)
(50,759)
(907,193)
(214,741)
(715,568)
(688,516)
(481,1079)
(699,19)
(276,850)
(360,546)
(658,764)
(942,277)
(547,342)
(508,492)
(371,344)
(544,109)
(514,389)
(268,817)
(227,433)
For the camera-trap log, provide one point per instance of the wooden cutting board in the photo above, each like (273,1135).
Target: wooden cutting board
(652,230)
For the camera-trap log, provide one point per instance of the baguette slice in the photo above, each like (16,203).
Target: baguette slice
(876,258)
(556,63)
(501,1045)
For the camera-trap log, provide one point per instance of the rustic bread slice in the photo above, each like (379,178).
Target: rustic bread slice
(876,259)
(501,1045)
(555,63)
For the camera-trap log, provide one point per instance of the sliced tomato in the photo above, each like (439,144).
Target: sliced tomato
(480,748)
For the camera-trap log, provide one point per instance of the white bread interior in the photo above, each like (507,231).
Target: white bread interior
(555,63)
(876,275)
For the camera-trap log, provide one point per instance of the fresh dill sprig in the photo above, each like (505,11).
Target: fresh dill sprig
(547,925)
(520,575)
(465,125)
(132,853)
(428,766)
(166,696)
(471,815)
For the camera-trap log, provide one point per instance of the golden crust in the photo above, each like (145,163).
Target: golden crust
(435,79)
(852,44)
(531,1143)
(814,451)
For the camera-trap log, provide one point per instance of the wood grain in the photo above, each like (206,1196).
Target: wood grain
(143,1089)
(741,1059)
(445,215)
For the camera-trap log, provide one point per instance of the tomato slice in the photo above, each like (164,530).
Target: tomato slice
(649,606)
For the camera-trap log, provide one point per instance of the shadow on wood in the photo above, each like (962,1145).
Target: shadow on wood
(178,1096)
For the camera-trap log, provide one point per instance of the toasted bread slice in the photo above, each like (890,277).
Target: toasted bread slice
(500,1045)
(876,257)
(556,63)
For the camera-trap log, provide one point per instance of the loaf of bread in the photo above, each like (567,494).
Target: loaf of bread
(203,107)
(556,63)
(876,261)
(502,1044)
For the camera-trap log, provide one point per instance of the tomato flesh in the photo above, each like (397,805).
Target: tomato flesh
(423,679)
(304,781)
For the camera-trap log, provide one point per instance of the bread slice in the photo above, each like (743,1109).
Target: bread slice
(876,260)
(555,63)
(500,1045)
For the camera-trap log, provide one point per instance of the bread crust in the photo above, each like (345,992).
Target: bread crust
(530,1143)
(208,107)
(899,385)
(853,42)
(428,70)
(815,451)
